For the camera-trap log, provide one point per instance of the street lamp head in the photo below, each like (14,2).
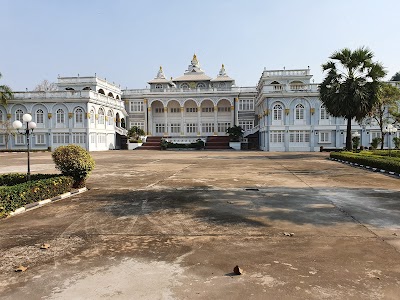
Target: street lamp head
(17,124)
(27,117)
(32,125)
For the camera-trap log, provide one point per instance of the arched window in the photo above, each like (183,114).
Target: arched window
(86,88)
(69,89)
(277,112)
(18,115)
(60,116)
(201,85)
(323,113)
(79,115)
(101,116)
(92,116)
(110,117)
(117,97)
(110,95)
(222,85)
(184,86)
(39,116)
(299,112)
(101,91)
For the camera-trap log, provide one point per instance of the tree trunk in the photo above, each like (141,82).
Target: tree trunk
(382,139)
(348,136)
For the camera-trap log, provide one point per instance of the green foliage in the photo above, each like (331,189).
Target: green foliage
(396,142)
(199,144)
(391,164)
(17,178)
(134,133)
(74,161)
(350,88)
(375,142)
(392,153)
(6,93)
(235,133)
(16,196)
(356,142)
(396,77)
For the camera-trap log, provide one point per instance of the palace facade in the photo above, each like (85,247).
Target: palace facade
(282,112)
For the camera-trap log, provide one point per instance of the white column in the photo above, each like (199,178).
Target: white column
(166,130)
(150,122)
(146,126)
(236,111)
(199,119)
(182,123)
(215,120)
(232,115)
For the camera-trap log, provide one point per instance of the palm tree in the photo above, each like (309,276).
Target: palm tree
(5,93)
(350,88)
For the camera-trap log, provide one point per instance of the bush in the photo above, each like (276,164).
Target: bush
(375,142)
(396,142)
(74,161)
(369,159)
(17,178)
(16,196)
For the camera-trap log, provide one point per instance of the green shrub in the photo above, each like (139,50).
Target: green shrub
(17,178)
(396,142)
(356,142)
(74,161)
(16,196)
(386,163)
(375,142)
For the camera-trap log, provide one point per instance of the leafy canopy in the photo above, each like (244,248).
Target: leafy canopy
(6,93)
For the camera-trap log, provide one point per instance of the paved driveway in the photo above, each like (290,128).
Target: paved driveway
(172,225)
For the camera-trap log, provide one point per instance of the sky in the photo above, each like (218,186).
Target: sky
(125,41)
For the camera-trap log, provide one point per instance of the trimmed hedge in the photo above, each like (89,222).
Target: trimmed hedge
(17,178)
(391,164)
(195,145)
(16,196)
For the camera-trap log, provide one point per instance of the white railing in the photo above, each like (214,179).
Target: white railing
(188,90)
(105,100)
(251,131)
(121,131)
(280,88)
(283,73)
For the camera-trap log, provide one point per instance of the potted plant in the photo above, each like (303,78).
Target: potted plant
(134,137)
(235,133)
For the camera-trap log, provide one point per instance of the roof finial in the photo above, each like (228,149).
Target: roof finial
(195,62)
(222,72)
(160,73)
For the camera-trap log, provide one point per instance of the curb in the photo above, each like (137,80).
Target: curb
(34,205)
(376,170)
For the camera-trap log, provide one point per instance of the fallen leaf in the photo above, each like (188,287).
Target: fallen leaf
(21,268)
(45,246)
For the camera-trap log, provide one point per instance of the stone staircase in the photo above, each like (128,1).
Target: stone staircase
(217,143)
(152,143)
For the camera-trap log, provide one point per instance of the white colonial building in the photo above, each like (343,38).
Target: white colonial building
(190,106)
(282,113)
(87,111)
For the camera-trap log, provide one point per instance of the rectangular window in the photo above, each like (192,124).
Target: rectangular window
(92,138)
(207,109)
(20,139)
(40,138)
(160,128)
(277,136)
(324,137)
(299,136)
(372,134)
(246,104)
(158,110)
(207,127)
(138,124)
(224,109)
(137,106)
(101,138)
(175,110)
(222,127)
(246,124)
(175,128)
(60,138)
(79,138)
(2,139)
(324,114)
(191,109)
(191,128)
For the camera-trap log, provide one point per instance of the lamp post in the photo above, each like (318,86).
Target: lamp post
(389,129)
(27,118)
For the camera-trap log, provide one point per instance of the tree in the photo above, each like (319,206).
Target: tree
(235,133)
(388,98)
(6,93)
(135,132)
(46,85)
(7,131)
(350,88)
(395,77)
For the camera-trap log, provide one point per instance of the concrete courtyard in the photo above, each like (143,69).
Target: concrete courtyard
(173,225)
